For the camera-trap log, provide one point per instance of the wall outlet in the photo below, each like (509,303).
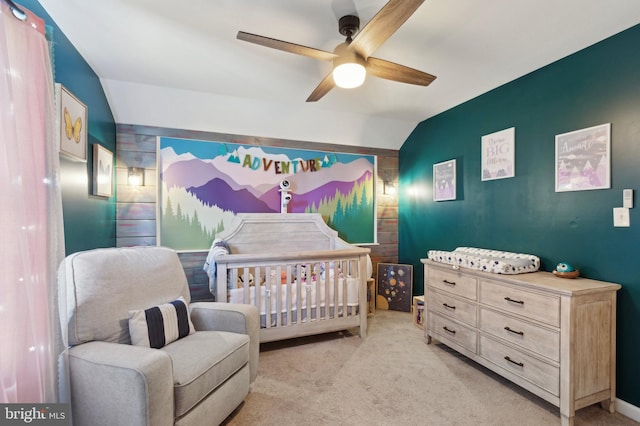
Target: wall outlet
(621,217)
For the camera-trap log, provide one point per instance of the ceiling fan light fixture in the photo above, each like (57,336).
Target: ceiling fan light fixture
(349,75)
(348,68)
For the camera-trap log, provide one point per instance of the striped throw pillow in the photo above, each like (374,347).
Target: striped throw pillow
(160,325)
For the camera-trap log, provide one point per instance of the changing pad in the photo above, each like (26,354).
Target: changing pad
(497,262)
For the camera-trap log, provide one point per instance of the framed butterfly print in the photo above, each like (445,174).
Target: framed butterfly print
(102,171)
(72,123)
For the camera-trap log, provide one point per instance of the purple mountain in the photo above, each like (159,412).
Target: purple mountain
(217,192)
(183,173)
(196,173)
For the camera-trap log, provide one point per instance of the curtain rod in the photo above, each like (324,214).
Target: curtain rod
(17,12)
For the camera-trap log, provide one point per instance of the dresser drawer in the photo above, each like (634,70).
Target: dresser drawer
(453,282)
(453,331)
(541,374)
(543,341)
(452,306)
(540,307)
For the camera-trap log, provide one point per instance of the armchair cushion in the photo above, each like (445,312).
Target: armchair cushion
(160,325)
(202,362)
(234,318)
(103,285)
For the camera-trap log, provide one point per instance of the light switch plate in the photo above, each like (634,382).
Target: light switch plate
(621,217)
(627,198)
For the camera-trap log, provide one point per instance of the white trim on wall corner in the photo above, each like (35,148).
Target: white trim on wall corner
(628,410)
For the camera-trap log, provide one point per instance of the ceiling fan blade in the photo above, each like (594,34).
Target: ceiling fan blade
(383,25)
(285,46)
(322,89)
(392,71)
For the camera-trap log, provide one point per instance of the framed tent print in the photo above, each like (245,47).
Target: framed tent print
(583,159)
(444,181)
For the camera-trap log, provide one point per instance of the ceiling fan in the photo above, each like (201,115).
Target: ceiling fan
(352,57)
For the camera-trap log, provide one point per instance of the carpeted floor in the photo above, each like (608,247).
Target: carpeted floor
(390,378)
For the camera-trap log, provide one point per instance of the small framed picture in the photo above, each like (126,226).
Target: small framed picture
(102,171)
(583,159)
(395,285)
(71,116)
(444,181)
(498,155)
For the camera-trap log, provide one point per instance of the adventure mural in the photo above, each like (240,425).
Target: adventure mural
(202,185)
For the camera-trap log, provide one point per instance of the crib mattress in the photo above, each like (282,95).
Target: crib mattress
(493,261)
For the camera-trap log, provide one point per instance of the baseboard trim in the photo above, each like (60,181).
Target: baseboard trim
(628,410)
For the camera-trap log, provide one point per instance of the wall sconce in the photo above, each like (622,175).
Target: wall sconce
(135,176)
(389,188)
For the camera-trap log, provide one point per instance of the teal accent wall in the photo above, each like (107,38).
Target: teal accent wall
(600,84)
(89,221)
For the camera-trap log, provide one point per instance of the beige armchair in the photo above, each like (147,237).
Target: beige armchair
(197,379)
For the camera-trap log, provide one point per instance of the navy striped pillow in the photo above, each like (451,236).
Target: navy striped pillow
(160,325)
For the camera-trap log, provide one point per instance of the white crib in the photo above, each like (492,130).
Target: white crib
(302,277)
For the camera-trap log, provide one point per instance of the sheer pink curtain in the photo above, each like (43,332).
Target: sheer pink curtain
(31,239)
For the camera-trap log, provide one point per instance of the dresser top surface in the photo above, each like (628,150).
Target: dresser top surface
(540,279)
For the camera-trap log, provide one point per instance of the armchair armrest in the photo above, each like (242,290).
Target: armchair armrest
(120,384)
(233,317)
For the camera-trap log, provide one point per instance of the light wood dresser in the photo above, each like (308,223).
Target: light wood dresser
(553,336)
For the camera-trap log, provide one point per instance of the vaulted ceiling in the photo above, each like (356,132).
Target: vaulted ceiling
(179,65)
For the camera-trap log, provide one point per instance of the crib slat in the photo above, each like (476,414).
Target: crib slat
(314,297)
(256,289)
(291,296)
(222,293)
(345,288)
(325,278)
(298,284)
(278,286)
(335,288)
(339,287)
(233,278)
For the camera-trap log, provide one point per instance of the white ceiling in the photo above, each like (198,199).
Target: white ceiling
(178,64)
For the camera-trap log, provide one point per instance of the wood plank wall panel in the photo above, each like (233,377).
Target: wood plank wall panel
(198,280)
(386,212)
(136,208)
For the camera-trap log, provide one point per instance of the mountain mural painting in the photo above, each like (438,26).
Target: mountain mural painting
(204,184)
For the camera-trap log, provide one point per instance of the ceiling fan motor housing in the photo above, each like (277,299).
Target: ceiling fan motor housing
(348,26)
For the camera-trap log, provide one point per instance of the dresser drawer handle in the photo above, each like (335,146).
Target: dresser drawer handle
(447,329)
(508,299)
(521,333)
(449,282)
(519,364)
(448,306)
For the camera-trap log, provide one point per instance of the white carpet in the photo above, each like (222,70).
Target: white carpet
(390,378)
